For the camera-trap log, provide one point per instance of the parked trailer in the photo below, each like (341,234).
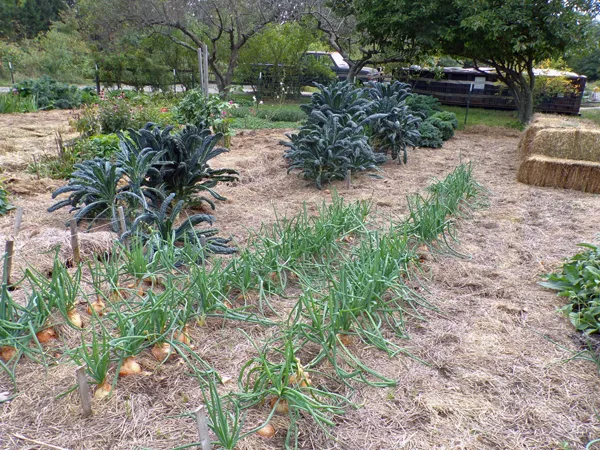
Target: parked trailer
(452,85)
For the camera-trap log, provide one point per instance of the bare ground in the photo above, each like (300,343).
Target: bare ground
(496,376)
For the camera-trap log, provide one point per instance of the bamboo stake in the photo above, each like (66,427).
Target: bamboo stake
(84,391)
(202,428)
(18,220)
(348,178)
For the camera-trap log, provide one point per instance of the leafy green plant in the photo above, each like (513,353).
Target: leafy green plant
(430,135)
(446,128)
(337,98)
(183,166)
(162,224)
(50,94)
(579,281)
(447,116)
(94,191)
(5,205)
(11,103)
(423,105)
(201,111)
(325,153)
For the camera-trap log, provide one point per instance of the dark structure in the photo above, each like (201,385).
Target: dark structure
(451,85)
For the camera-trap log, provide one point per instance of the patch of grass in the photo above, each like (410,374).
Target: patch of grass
(10,103)
(256,123)
(488,117)
(591,114)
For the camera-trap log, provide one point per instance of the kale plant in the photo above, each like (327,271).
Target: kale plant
(326,152)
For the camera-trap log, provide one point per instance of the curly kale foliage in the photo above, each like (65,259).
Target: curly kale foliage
(431,136)
(163,223)
(326,152)
(94,190)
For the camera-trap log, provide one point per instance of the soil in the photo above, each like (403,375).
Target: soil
(499,370)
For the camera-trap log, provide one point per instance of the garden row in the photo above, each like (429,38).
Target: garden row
(355,281)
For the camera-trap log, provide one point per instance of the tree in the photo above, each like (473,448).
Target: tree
(338,20)
(224,25)
(509,35)
(586,60)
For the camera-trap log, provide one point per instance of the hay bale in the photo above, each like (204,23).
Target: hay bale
(559,152)
(38,249)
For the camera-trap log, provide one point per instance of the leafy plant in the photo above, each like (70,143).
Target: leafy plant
(431,136)
(446,128)
(5,205)
(326,152)
(337,98)
(94,191)
(579,281)
(447,116)
(50,94)
(11,103)
(423,105)
(162,223)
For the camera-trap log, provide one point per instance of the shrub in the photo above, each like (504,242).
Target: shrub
(424,105)
(431,136)
(114,115)
(446,128)
(447,116)
(50,94)
(103,146)
(326,152)
(195,109)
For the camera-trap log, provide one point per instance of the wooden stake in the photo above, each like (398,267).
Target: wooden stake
(122,220)
(8,255)
(37,168)
(205,51)
(75,242)
(202,428)
(84,391)
(348,179)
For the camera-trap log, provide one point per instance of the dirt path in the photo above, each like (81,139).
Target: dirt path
(494,379)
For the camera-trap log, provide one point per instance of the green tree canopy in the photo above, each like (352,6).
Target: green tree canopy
(509,35)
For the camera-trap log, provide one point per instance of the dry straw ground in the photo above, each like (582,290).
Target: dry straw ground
(494,379)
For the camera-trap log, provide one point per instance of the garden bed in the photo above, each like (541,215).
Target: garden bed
(495,375)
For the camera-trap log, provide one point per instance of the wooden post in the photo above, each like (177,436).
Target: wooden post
(202,428)
(75,242)
(201,69)
(8,255)
(122,220)
(203,246)
(348,178)
(84,391)
(205,51)
(37,167)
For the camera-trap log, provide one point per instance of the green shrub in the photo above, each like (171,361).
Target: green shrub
(423,105)
(579,281)
(50,94)
(431,136)
(446,128)
(103,146)
(114,115)
(195,109)
(447,116)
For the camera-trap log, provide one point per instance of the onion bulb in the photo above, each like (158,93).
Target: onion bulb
(98,306)
(302,380)
(7,352)
(345,339)
(102,390)
(267,431)
(161,351)
(46,335)
(281,407)
(75,318)
(129,367)
(184,336)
